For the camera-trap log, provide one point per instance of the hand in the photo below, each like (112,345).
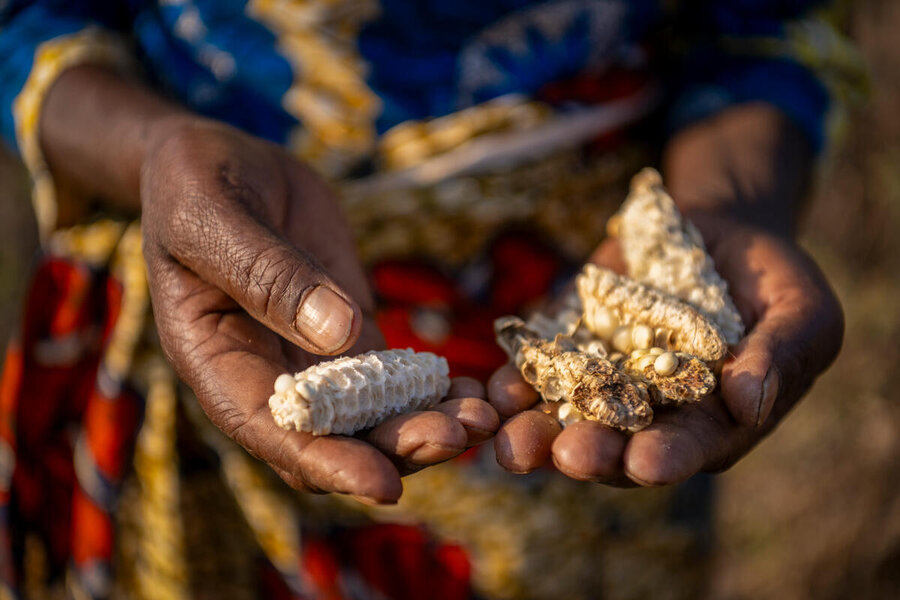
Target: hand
(795,328)
(252,273)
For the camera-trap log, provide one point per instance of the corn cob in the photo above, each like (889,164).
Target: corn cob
(567,323)
(549,327)
(559,372)
(637,308)
(672,377)
(667,252)
(348,394)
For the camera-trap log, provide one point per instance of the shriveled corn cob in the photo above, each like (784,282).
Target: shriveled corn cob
(548,327)
(560,372)
(673,377)
(567,323)
(665,251)
(604,293)
(348,394)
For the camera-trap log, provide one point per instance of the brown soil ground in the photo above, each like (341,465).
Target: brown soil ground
(814,511)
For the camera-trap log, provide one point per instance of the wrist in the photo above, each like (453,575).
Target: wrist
(748,164)
(96,129)
(161,132)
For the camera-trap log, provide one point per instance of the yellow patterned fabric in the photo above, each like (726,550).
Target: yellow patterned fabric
(329,94)
(90,45)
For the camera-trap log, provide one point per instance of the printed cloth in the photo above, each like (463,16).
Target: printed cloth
(479,148)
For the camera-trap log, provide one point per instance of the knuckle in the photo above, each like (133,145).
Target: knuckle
(273,278)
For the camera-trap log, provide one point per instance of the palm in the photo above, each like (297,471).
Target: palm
(794,329)
(236,236)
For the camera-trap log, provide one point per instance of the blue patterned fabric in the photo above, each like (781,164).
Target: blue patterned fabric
(433,57)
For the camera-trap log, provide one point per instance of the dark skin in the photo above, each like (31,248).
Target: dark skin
(241,240)
(739,177)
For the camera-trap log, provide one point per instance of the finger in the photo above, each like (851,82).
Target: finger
(277,283)
(680,443)
(323,463)
(466,387)
(475,415)
(609,254)
(798,332)
(750,379)
(231,362)
(294,482)
(589,451)
(508,393)
(419,438)
(523,443)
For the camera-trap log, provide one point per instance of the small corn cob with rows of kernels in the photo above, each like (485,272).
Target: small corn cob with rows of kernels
(664,251)
(349,394)
(560,372)
(634,316)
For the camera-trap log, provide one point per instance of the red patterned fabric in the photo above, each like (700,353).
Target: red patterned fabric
(68,426)
(56,417)
(521,272)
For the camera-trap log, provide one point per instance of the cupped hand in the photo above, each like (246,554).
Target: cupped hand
(252,274)
(794,331)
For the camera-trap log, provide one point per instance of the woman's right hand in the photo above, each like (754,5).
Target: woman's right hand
(252,274)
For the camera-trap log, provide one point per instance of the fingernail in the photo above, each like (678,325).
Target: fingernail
(767,396)
(325,319)
(371,501)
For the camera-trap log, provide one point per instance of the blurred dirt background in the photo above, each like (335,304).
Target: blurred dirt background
(814,512)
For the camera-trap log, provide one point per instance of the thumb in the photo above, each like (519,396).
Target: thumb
(751,378)
(798,335)
(278,284)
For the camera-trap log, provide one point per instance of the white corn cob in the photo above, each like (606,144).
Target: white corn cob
(665,251)
(637,304)
(348,394)
(559,372)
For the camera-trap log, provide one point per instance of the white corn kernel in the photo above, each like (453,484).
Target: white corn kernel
(284,383)
(655,351)
(568,414)
(645,361)
(642,337)
(666,363)
(621,339)
(605,322)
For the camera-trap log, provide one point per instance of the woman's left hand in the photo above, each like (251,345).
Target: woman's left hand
(794,331)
